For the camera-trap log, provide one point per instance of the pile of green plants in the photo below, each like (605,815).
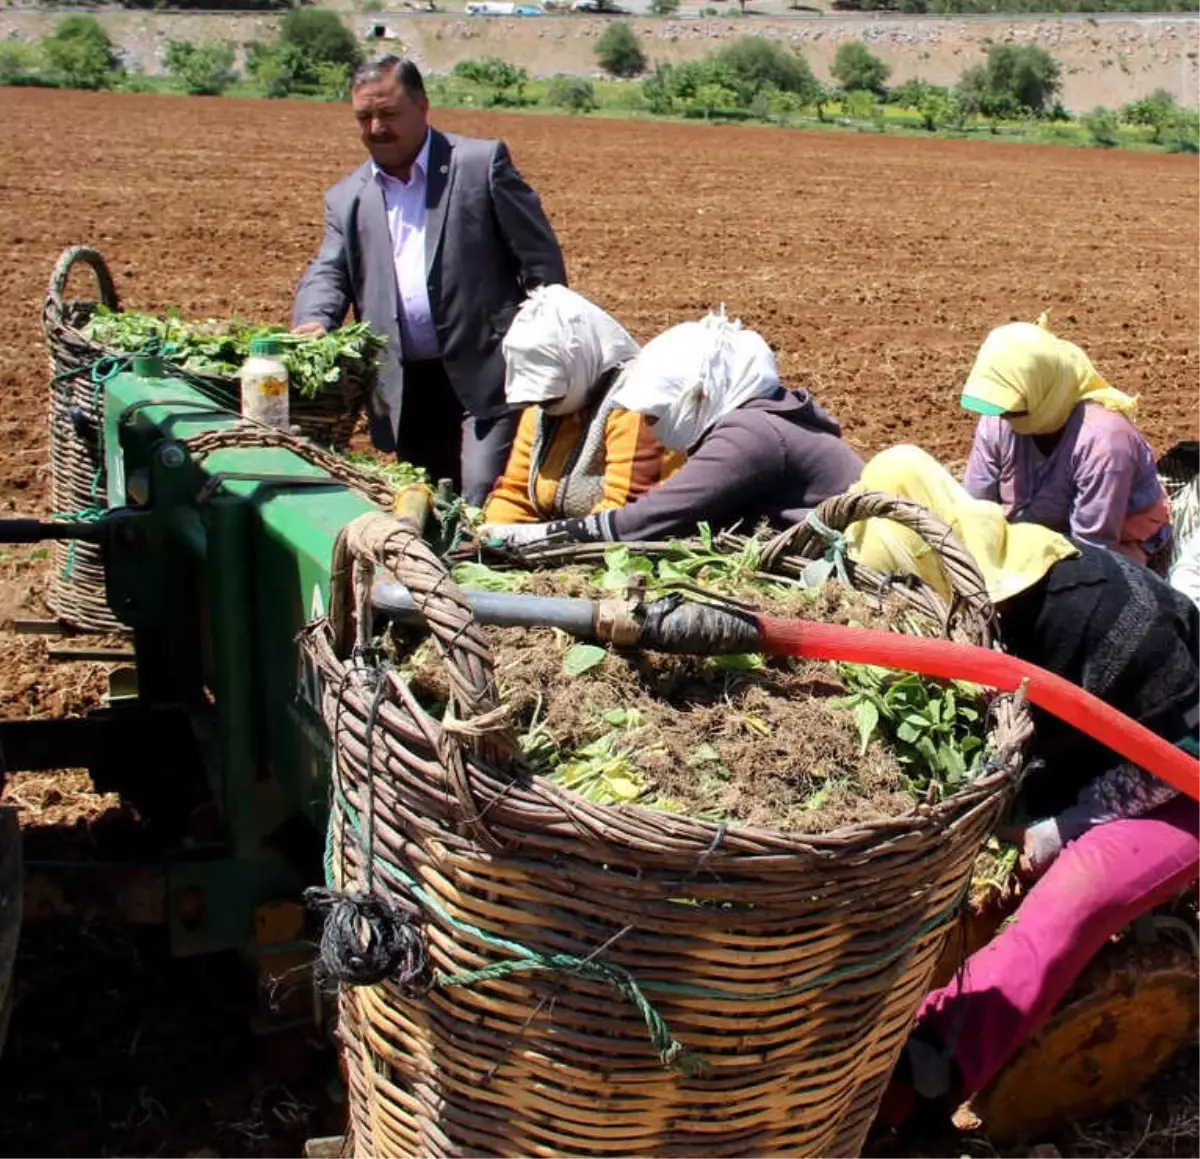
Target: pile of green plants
(749,739)
(218,347)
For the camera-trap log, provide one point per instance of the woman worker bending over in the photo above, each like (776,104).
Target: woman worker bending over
(1110,841)
(575,450)
(755,450)
(1057,446)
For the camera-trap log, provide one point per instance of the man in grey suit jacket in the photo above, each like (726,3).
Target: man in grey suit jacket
(435,241)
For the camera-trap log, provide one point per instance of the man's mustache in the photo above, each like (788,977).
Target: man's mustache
(381,139)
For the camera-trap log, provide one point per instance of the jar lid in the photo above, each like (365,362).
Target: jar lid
(265,347)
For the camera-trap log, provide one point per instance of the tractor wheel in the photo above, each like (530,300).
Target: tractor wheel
(1128,1015)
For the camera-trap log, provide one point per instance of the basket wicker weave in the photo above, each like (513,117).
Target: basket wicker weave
(77,593)
(1177,471)
(582,954)
(76,417)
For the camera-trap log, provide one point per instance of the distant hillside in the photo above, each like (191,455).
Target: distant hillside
(1106,58)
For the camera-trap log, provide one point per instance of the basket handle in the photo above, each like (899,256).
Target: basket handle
(476,722)
(53,310)
(840,511)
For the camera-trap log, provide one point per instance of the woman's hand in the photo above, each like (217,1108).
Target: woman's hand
(1040,843)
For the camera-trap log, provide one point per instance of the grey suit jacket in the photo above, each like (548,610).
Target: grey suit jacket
(487,244)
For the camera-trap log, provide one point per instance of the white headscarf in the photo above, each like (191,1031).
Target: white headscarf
(695,373)
(558,346)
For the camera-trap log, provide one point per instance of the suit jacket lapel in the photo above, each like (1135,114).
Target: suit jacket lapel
(437,194)
(376,249)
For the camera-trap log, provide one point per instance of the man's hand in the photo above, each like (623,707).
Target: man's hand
(315,329)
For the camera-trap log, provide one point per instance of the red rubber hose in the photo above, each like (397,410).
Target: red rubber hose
(952,661)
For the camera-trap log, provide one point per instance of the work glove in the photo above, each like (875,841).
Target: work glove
(511,534)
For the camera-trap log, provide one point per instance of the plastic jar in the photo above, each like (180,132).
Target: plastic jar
(265,384)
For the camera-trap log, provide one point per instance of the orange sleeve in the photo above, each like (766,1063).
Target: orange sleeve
(509,501)
(671,462)
(633,459)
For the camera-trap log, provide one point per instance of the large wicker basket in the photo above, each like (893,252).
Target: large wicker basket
(77,591)
(76,428)
(613,980)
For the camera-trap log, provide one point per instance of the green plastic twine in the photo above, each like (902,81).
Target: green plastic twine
(672,1052)
(834,559)
(87,515)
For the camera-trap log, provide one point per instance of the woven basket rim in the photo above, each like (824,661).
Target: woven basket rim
(546,805)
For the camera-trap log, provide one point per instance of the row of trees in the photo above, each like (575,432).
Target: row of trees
(1014,81)
(758,77)
(314,54)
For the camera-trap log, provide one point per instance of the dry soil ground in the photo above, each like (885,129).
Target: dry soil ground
(874,266)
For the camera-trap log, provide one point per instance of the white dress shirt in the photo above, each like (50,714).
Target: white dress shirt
(404,202)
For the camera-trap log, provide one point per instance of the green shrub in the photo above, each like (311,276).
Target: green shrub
(18,63)
(506,81)
(754,63)
(663,7)
(1015,80)
(941,109)
(856,68)
(772,105)
(1101,127)
(658,91)
(1153,112)
(204,71)
(911,94)
(133,81)
(333,80)
(489,71)
(572,93)
(619,51)
(79,55)
(859,105)
(321,38)
(713,98)
(279,69)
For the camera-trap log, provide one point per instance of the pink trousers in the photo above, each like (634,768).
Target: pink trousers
(1096,886)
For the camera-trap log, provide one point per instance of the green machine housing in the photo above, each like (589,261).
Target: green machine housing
(215,562)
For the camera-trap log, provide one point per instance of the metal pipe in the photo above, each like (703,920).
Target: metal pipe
(504,609)
(37,530)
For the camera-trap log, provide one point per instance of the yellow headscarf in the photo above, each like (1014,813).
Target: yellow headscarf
(1011,557)
(1023,367)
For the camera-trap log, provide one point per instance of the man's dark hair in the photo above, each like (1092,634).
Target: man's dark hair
(400,67)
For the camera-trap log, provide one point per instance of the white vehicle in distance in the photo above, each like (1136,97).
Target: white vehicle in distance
(497,8)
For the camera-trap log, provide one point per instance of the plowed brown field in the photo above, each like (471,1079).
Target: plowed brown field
(874,265)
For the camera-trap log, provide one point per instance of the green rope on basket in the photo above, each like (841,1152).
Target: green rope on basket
(672,1052)
(834,559)
(87,515)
